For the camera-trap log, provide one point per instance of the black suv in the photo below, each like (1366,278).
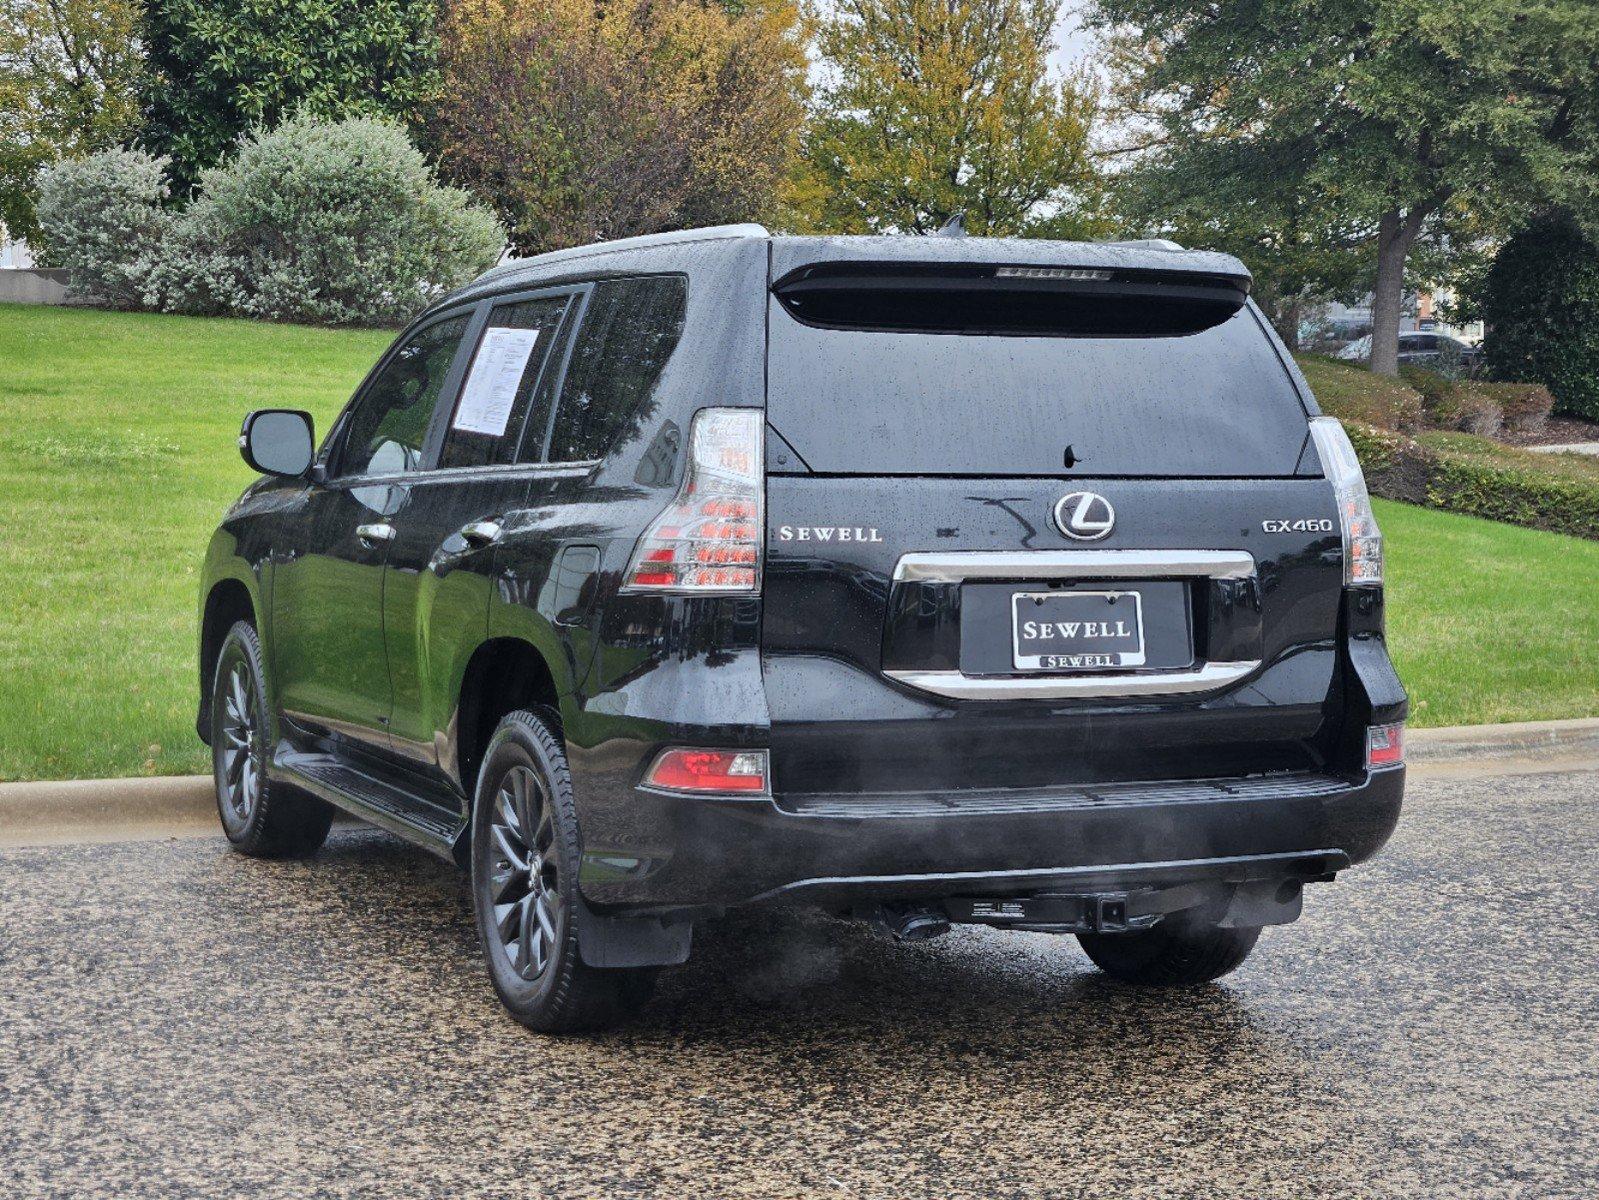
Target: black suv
(925,580)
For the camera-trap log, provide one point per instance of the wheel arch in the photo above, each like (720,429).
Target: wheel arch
(229,600)
(502,675)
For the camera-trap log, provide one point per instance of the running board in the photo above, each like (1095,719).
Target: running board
(360,794)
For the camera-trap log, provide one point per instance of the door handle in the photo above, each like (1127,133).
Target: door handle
(372,535)
(482,533)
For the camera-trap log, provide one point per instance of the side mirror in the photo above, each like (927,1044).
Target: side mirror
(278,441)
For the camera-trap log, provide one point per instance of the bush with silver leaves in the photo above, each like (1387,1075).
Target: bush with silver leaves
(105,221)
(331,223)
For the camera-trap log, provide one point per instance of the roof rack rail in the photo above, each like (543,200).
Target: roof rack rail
(1148,244)
(644,241)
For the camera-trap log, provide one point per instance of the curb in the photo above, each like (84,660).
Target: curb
(1520,739)
(117,809)
(104,809)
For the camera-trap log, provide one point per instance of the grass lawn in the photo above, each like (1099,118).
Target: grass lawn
(117,457)
(1352,393)
(1490,622)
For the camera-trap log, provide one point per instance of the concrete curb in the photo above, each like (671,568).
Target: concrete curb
(118,809)
(105,809)
(1521,739)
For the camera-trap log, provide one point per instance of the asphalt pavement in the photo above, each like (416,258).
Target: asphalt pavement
(178,1021)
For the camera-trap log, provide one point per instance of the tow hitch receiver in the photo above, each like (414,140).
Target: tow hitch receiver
(1096,912)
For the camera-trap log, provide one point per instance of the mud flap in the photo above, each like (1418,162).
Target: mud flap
(629,941)
(1264,902)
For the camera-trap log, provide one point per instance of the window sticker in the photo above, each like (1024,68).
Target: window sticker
(492,383)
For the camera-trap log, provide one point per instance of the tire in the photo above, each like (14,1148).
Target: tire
(524,886)
(262,818)
(1182,951)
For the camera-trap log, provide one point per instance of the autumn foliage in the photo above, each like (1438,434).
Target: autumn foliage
(578,122)
(928,108)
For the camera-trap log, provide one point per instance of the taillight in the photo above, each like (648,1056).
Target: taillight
(1362,538)
(737,771)
(710,538)
(1385,746)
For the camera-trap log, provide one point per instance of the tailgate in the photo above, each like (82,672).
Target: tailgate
(1187,643)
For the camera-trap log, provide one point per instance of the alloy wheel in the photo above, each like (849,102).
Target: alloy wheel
(241,729)
(524,882)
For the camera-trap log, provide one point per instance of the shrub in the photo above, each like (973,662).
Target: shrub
(1480,478)
(1541,305)
(1526,406)
(1352,393)
(1522,493)
(1432,386)
(103,219)
(329,223)
(1393,467)
(1449,403)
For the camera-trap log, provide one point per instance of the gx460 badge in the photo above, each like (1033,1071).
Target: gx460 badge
(1303,525)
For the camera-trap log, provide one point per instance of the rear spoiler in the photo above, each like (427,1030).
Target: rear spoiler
(1010,298)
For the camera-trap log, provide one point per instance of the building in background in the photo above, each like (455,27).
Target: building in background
(22,281)
(14,256)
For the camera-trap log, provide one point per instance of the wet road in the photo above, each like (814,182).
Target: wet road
(179,1021)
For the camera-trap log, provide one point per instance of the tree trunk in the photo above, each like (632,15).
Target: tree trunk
(1387,299)
(1289,316)
(1396,234)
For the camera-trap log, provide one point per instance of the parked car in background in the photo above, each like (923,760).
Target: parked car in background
(924,580)
(1439,352)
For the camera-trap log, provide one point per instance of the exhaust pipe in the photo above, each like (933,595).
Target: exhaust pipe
(905,922)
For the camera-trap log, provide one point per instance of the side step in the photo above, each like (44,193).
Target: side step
(430,826)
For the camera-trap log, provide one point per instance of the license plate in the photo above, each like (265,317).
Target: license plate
(1077,631)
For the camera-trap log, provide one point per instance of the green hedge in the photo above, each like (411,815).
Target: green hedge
(1464,474)
(1541,304)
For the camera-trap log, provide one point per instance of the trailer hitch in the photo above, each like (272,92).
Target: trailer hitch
(1093,912)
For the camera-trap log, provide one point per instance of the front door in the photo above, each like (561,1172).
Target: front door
(328,655)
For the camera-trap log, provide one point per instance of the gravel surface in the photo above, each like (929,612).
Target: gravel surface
(179,1021)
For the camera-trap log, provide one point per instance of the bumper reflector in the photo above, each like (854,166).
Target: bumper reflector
(1385,746)
(740,772)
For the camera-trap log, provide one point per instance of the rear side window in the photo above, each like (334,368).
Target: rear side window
(1031,386)
(505,390)
(628,332)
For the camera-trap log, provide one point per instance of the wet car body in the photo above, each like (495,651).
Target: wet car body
(910,766)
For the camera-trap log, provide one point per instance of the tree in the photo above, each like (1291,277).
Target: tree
(1300,252)
(69,77)
(579,121)
(1541,304)
(1399,116)
(935,107)
(219,68)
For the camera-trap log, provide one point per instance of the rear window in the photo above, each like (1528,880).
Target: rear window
(1046,386)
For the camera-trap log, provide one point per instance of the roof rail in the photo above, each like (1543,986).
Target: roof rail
(1148,244)
(707,234)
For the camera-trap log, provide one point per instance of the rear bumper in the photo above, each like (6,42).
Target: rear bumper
(691,853)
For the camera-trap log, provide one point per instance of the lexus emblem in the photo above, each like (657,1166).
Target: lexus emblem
(1086,516)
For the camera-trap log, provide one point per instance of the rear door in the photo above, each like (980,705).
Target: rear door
(1022,537)
(485,448)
